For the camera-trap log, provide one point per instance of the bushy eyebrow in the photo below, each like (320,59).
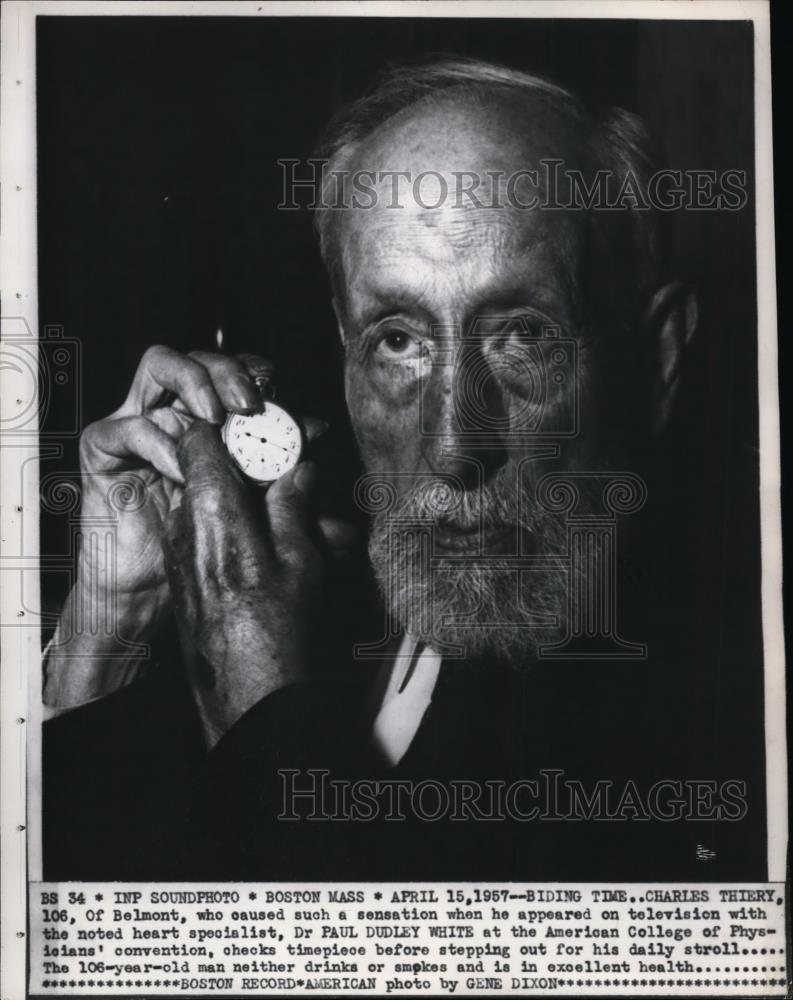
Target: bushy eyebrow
(395,301)
(510,302)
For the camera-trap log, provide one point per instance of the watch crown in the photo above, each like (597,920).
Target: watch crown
(264,386)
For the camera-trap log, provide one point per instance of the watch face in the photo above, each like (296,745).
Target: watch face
(264,445)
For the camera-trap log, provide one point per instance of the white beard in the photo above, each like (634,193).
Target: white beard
(485,610)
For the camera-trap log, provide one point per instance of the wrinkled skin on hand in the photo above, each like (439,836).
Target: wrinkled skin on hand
(134,453)
(138,444)
(245,576)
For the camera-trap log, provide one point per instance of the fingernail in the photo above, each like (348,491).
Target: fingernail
(304,478)
(210,409)
(243,393)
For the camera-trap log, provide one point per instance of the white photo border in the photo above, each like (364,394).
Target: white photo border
(20,610)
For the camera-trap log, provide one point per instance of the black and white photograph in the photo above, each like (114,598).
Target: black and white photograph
(402,463)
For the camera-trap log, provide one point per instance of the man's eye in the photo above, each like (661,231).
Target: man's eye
(398,344)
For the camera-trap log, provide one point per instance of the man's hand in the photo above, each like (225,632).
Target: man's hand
(245,578)
(133,453)
(138,442)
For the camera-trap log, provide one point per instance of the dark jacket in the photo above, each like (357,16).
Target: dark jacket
(131,793)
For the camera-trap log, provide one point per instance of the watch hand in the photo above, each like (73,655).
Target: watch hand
(265,441)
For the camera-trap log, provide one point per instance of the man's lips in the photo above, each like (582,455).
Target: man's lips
(475,538)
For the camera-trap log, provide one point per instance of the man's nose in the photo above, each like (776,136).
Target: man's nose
(465,423)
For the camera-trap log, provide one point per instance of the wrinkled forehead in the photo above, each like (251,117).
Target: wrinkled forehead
(457,132)
(446,186)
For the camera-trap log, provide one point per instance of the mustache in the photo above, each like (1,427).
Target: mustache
(503,500)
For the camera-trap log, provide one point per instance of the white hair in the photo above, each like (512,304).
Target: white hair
(615,140)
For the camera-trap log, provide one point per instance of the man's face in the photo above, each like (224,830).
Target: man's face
(457,394)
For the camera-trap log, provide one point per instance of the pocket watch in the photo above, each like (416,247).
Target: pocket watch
(267,444)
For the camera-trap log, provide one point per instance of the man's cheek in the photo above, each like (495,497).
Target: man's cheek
(385,417)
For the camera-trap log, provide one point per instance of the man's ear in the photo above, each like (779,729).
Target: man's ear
(668,326)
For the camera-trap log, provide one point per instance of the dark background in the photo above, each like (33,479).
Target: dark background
(158,186)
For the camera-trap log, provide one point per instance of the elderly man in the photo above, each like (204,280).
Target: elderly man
(446,295)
